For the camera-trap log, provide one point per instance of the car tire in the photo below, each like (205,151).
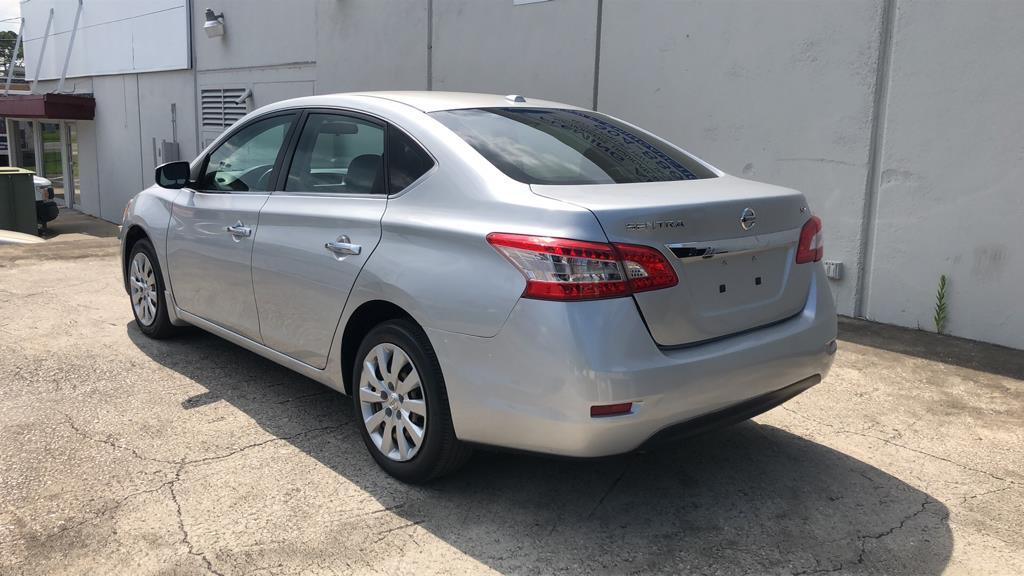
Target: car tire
(399,395)
(146,290)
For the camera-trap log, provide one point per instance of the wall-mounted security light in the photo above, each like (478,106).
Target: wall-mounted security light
(214,25)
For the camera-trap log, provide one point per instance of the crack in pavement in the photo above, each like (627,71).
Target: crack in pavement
(985,493)
(611,488)
(111,443)
(181,466)
(384,534)
(890,531)
(862,540)
(205,459)
(903,446)
(185,538)
(305,396)
(103,512)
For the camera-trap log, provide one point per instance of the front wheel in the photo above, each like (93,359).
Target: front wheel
(401,400)
(146,287)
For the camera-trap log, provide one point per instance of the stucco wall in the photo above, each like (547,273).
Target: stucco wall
(119,149)
(157,92)
(256,33)
(784,92)
(951,200)
(545,50)
(371,45)
(774,91)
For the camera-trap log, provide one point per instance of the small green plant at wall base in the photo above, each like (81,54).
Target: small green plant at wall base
(940,306)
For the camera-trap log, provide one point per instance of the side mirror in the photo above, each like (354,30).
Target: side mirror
(173,174)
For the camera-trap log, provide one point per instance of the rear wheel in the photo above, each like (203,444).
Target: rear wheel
(146,287)
(400,398)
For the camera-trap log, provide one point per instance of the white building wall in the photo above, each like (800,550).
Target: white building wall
(268,85)
(119,155)
(371,45)
(545,50)
(256,33)
(783,92)
(111,37)
(157,94)
(951,200)
(774,91)
(88,168)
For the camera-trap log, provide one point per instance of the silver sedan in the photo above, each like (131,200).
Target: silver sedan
(487,270)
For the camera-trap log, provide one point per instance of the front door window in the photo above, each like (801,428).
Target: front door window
(245,161)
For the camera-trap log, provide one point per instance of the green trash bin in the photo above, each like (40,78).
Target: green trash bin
(17,200)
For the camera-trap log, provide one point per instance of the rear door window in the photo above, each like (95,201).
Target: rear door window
(338,154)
(562,146)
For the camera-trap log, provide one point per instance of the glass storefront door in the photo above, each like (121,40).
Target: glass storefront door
(50,149)
(53,159)
(74,190)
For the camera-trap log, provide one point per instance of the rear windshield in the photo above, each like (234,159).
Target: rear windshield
(557,146)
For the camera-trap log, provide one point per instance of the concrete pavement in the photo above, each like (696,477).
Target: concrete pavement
(122,455)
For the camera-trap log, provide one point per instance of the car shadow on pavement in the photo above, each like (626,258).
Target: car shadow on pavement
(749,499)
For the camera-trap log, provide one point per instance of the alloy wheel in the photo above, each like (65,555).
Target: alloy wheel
(143,289)
(392,402)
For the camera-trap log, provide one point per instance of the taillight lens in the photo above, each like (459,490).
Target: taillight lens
(811,247)
(563,269)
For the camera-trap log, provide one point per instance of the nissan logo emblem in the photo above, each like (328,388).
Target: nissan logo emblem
(748,219)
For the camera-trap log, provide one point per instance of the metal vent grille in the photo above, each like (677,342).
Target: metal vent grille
(219,106)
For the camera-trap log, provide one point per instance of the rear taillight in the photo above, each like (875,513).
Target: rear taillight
(561,269)
(810,248)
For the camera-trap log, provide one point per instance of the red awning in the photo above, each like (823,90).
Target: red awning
(48,106)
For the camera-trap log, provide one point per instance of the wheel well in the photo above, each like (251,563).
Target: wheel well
(368,315)
(133,235)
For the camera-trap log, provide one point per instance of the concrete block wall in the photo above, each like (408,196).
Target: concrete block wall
(905,111)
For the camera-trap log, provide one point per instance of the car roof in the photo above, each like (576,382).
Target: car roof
(427,101)
(431,101)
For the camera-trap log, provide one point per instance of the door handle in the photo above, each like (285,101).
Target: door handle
(239,230)
(343,247)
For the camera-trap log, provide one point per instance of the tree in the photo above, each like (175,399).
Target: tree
(8,39)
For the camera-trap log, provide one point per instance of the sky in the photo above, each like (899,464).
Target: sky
(10,9)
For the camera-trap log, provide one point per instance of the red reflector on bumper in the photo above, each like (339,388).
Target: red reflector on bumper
(611,409)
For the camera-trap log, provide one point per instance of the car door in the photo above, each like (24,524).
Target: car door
(316,234)
(212,227)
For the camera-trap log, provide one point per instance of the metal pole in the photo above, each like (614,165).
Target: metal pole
(71,44)
(14,55)
(42,50)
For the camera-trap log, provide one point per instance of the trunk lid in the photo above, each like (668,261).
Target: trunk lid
(731,279)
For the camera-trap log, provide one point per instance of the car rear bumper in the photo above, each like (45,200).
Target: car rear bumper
(531,386)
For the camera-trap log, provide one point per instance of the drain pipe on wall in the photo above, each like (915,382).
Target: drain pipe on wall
(874,177)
